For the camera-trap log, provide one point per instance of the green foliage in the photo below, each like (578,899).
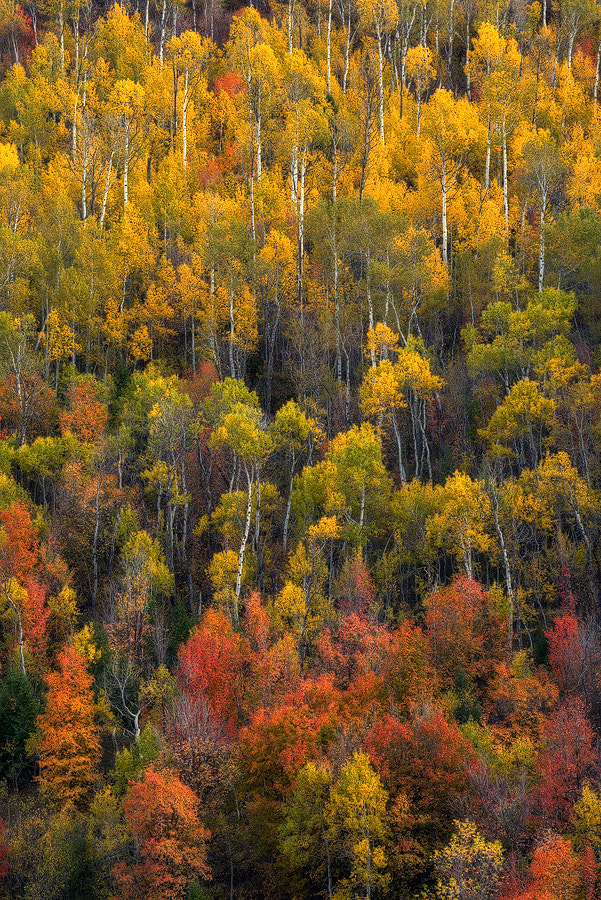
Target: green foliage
(132,761)
(18,713)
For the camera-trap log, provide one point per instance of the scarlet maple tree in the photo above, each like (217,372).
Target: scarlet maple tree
(567,759)
(209,670)
(423,759)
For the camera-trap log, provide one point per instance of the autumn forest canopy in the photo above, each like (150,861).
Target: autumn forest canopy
(300,450)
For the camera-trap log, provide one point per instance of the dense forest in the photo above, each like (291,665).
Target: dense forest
(300,450)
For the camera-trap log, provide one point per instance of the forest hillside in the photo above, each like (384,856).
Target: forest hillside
(300,450)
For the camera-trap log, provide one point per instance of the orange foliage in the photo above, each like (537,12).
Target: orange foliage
(86,415)
(357,649)
(408,675)
(519,700)
(70,743)
(273,668)
(162,814)
(231,83)
(464,630)
(556,870)
(35,620)
(19,546)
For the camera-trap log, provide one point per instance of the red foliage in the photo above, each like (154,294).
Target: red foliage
(408,676)
(567,652)
(24,29)
(355,591)
(589,871)
(424,759)
(231,83)
(564,589)
(209,670)
(210,174)
(358,648)
(273,669)
(566,761)
(586,47)
(198,385)
(276,745)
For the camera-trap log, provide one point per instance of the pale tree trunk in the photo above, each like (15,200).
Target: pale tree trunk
(467,555)
(372,353)
(445,247)
(259,150)
(232,332)
(301,222)
(487,168)
(95,546)
(494,503)
(338,363)
(107,185)
(242,552)
(381,84)
(288,508)
(505,187)
(329,47)
(541,252)
(185,122)
(450,43)
(126,167)
(347,55)
(399,447)
(61,28)
(598,67)
(162,31)
(17,613)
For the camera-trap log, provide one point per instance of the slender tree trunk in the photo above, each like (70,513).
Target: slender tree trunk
(381,86)
(597,68)
(505,186)
(347,55)
(329,48)
(487,167)
(242,553)
(445,250)
(232,332)
(541,253)
(107,185)
(162,31)
(185,122)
